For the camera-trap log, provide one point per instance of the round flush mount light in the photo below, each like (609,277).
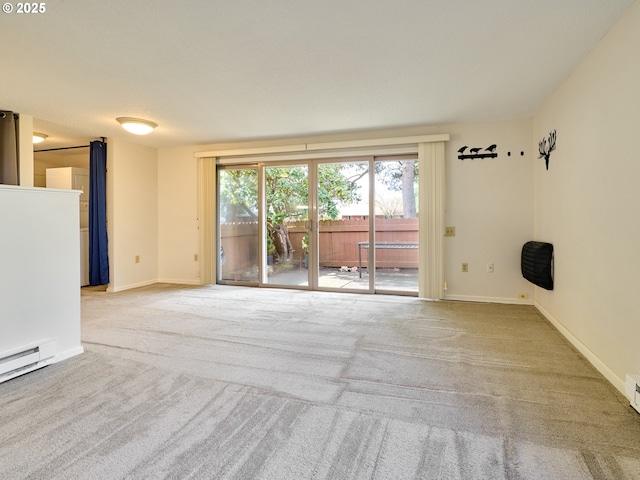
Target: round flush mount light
(137,126)
(39,137)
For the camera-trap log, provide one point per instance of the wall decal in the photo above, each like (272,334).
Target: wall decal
(546,149)
(489,152)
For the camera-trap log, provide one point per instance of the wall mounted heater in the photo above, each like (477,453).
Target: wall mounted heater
(25,359)
(537,263)
(632,389)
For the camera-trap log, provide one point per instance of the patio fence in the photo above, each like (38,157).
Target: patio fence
(338,242)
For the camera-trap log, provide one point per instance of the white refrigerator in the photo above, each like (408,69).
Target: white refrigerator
(76,179)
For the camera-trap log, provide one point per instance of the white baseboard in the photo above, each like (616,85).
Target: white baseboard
(599,365)
(122,288)
(177,281)
(180,281)
(72,352)
(470,298)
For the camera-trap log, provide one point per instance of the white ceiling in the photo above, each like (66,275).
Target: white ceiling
(223,70)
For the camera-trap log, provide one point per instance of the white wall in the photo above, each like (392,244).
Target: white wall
(40,269)
(488,201)
(25,146)
(178,239)
(588,203)
(132,214)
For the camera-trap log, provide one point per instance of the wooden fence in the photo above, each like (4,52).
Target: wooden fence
(338,242)
(240,244)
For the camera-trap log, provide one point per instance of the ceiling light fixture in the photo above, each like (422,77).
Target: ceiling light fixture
(39,137)
(137,126)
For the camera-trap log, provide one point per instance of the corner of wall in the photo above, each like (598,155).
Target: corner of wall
(132,214)
(585,201)
(25,146)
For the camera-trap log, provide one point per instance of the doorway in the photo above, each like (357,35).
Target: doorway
(336,224)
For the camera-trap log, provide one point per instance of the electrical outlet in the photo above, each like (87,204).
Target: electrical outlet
(137,259)
(449,231)
(195,257)
(465,267)
(490,268)
(523,296)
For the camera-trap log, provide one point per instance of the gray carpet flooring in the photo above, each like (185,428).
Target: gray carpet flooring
(224,382)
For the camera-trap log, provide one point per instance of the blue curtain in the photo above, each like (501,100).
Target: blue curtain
(98,248)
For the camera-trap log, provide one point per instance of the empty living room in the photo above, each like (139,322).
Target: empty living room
(340,240)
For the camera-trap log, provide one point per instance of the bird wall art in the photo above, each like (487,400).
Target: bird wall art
(477,152)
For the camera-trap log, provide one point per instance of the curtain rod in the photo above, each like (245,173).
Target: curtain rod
(61,148)
(67,148)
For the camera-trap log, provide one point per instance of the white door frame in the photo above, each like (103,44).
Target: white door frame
(431,158)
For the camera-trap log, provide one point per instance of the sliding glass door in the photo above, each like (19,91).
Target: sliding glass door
(396,224)
(343,225)
(238,227)
(348,225)
(286,212)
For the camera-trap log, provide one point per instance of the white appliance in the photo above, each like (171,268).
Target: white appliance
(76,179)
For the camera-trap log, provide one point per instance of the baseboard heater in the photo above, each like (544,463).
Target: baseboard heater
(537,264)
(26,359)
(632,389)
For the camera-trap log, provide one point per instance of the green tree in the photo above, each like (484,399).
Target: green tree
(286,191)
(401,175)
(238,195)
(396,175)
